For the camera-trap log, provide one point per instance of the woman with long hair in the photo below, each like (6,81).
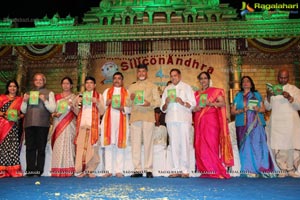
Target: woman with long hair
(10,115)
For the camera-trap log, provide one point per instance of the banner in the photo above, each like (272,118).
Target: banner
(159,68)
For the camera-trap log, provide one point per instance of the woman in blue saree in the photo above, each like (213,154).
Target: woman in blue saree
(254,153)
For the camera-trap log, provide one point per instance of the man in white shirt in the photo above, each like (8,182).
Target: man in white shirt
(284,124)
(178,108)
(115,127)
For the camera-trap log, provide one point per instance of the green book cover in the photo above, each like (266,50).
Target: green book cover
(62,107)
(252,103)
(34,97)
(277,89)
(116,101)
(172,94)
(202,100)
(87,98)
(12,115)
(139,97)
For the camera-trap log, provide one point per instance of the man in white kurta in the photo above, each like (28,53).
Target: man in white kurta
(284,124)
(179,121)
(87,129)
(114,149)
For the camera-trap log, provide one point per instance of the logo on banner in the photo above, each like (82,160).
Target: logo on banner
(246,8)
(108,70)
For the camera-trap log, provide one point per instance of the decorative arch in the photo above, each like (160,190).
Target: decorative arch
(273,45)
(39,52)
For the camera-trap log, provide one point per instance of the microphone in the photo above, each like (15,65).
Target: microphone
(80,103)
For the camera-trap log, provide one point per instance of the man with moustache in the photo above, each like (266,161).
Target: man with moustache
(142,121)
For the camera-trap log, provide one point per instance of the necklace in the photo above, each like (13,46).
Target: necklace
(11,97)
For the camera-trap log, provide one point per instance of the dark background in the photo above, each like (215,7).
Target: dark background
(32,9)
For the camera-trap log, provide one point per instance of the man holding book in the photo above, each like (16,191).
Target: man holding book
(115,127)
(177,102)
(87,129)
(144,97)
(37,105)
(284,125)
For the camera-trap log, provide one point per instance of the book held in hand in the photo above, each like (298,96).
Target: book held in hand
(62,107)
(34,97)
(12,115)
(172,95)
(116,101)
(87,98)
(252,103)
(202,100)
(276,89)
(139,97)
(269,86)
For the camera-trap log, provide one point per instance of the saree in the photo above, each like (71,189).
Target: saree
(254,153)
(9,139)
(63,148)
(213,150)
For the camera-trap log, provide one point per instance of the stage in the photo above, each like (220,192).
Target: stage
(143,188)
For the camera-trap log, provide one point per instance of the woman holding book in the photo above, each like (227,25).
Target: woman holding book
(10,105)
(213,149)
(251,136)
(64,129)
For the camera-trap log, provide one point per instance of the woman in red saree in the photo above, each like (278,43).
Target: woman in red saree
(212,143)
(64,129)
(10,105)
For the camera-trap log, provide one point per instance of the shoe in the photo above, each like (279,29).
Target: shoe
(119,175)
(107,175)
(293,174)
(149,175)
(81,175)
(282,175)
(185,176)
(252,175)
(92,175)
(136,175)
(174,176)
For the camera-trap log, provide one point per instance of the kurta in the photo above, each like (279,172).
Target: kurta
(284,120)
(115,119)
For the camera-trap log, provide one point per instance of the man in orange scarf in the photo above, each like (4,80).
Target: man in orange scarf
(87,130)
(114,127)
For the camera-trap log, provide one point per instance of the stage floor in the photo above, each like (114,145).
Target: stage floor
(156,188)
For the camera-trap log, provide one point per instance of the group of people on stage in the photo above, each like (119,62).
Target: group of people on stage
(83,123)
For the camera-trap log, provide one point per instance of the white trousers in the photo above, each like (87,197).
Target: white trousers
(179,133)
(114,159)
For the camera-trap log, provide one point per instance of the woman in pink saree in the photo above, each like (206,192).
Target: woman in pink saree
(212,143)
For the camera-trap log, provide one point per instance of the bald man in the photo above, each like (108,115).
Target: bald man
(284,125)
